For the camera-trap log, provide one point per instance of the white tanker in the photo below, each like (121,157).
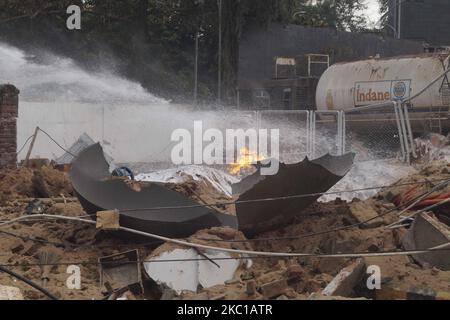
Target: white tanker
(348,86)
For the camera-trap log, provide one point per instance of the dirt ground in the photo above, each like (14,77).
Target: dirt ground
(25,245)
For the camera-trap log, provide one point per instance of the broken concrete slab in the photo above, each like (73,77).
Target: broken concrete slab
(362,211)
(345,282)
(121,270)
(10,293)
(426,232)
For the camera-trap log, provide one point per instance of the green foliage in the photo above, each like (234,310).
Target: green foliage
(156,38)
(338,14)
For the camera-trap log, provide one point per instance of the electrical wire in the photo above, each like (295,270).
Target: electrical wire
(29,282)
(304,195)
(24,145)
(206,258)
(228,250)
(56,142)
(409,205)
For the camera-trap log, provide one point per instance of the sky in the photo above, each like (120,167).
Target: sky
(372,12)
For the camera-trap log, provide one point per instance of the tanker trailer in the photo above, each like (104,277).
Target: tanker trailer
(352,85)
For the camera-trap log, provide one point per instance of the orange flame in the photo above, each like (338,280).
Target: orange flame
(244,162)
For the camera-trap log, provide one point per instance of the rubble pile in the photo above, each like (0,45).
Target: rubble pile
(165,270)
(43,182)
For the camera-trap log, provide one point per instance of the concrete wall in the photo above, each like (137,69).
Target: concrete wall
(259,46)
(9,108)
(423,20)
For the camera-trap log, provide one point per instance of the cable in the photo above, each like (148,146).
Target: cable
(279,198)
(29,282)
(56,142)
(420,211)
(312,255)
(236,251)
(411,204)
(74,245)
(24,145)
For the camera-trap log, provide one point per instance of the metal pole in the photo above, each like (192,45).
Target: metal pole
(400,132)
(344,133)
(307,133)
(27,158)
(405,137)
(408,128)
(399,26)
(196,70)
(219,73)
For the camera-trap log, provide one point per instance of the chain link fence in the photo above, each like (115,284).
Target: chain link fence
(293,126)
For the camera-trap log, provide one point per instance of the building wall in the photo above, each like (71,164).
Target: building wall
(259,46)
(427,21)
(8,125)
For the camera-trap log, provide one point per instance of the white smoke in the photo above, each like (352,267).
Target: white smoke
(48,77)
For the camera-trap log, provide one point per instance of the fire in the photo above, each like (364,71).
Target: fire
(245,161)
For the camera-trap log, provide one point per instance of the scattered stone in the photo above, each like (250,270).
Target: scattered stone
(273,289)
(251,287)
(365,210)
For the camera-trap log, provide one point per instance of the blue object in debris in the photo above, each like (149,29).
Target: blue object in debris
(123,172)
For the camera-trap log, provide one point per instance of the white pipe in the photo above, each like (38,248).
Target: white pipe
(245,252)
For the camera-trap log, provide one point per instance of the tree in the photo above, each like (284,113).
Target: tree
(337,14)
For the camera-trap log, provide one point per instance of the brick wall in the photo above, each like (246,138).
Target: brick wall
(9,107)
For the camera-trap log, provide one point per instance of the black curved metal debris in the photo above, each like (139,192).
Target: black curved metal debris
(96,191)
(306,177)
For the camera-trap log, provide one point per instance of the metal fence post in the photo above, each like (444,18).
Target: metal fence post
(409,131)
(400,131)
(344,132)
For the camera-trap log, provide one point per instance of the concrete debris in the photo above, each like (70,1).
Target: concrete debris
(274,289)
(365,212)
(10,293)
(427,232)
(177,272)
(121,270)
(346,281)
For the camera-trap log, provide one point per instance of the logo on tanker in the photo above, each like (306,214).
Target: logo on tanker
(399,90)
(374,92)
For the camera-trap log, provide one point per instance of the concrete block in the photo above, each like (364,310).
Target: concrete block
(427,232)
(344,283)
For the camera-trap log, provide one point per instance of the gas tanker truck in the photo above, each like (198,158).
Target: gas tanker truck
(353,85)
